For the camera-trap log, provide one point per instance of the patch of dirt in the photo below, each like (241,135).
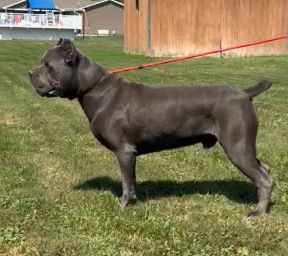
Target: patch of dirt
(8,119)
(21,251)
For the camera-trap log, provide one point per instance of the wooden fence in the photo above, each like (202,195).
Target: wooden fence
(182,27)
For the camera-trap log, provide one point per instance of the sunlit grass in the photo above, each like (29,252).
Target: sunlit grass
(59,187)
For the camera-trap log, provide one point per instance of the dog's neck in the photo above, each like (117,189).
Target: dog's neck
(88,74)
(98,87)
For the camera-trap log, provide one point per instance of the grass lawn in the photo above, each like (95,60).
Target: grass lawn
(59,188)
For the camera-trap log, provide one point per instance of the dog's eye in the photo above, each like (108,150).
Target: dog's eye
(48,66)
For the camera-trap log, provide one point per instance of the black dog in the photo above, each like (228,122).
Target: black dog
(131,119)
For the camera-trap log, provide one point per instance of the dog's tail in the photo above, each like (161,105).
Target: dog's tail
(258,88)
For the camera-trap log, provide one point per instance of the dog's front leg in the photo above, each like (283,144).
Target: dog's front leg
(127,162)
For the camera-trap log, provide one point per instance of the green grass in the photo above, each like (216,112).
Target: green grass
(59,187)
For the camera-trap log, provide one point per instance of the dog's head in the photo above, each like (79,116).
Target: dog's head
(54,76)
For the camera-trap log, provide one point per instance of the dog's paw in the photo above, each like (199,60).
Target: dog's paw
(126,202)
(255,213)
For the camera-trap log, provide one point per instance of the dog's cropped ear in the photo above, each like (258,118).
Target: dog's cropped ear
(69,52)
(60,40)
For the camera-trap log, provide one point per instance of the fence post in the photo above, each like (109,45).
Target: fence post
(148,28)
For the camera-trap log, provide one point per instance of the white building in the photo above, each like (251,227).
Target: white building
(40,20)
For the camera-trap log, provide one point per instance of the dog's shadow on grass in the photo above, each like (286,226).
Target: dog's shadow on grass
(238,191)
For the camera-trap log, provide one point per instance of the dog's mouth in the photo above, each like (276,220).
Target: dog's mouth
(54,92)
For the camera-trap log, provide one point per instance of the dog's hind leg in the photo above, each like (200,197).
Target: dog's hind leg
(263,166)
(242,153)
(248,165)
(237,135)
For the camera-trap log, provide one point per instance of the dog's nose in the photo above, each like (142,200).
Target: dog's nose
(30,73)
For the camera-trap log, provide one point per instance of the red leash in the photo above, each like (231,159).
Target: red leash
(133,68)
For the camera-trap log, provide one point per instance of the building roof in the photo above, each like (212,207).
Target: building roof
(72,4)
(83,4)
(8,3)
(64,4)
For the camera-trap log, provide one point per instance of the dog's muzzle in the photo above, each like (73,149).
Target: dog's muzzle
(38,85)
